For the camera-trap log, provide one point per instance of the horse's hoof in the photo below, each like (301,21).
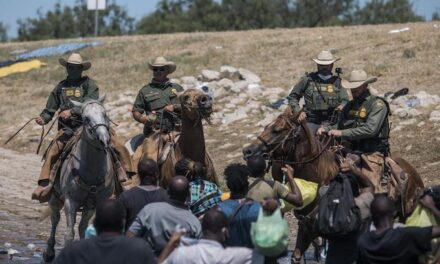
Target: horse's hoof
(48,258)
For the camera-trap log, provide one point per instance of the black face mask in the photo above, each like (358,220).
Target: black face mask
(74,73)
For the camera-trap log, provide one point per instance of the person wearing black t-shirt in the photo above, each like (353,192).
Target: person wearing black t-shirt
(387,245)
(147,192)
(110,246)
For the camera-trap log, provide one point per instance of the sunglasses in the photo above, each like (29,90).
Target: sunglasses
(159,69)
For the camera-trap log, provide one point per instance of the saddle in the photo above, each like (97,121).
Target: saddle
(157,147)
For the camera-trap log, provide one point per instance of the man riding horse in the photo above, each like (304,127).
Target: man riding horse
(157,104)
(75,87)
(323,95)
(157,101)
(364,125)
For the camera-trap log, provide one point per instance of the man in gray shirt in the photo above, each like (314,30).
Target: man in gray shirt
(157,221)
(209,249)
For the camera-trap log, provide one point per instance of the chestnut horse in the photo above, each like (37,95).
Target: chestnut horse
(196,106)
(285,141)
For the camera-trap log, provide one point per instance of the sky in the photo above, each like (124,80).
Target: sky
(12,10)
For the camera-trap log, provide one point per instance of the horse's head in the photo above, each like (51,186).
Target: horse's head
(96,122)
(276,137)
(196,105)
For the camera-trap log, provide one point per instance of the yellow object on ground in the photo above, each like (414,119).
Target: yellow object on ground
(225,196)
(308,191)
(20,67)
(421,217)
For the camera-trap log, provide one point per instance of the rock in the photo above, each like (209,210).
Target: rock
(254,90)
(267,119)
(397,128)
(225,84)
(248,76)
(229,72)
(237,115)
(408,148)
(408,122)
(270,91)
(236,100)
(373,91)
(421,124)
(210,75)
(414,112)
(435,116)
(189,80)
(401,112)
(239,86)
(31,246)
(426,99)
(175,81)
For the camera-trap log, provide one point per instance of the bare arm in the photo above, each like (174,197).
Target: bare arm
(427,202)
(172,244)
(294,196)
(141,118)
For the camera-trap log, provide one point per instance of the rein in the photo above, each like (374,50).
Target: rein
(292,134)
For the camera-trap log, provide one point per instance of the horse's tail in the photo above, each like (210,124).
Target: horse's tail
(414,187)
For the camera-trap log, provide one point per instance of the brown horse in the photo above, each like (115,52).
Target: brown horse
(285,141)
(190,143)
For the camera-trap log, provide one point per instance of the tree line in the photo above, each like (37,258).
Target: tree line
(211,15)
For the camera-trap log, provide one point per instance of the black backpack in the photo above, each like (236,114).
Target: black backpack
(338,214)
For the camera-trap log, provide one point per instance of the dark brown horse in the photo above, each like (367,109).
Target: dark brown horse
(285,141)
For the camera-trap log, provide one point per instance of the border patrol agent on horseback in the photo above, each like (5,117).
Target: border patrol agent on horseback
(364,124)
(76,88)
(157,102)
(323,95)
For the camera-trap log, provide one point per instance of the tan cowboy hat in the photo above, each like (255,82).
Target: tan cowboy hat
(162,62)
(325,57)
(75,58)
(357,78)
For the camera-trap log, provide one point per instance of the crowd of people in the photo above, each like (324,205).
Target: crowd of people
(187,224)
(193,221)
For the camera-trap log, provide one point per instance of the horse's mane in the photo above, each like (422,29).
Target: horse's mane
(326,164)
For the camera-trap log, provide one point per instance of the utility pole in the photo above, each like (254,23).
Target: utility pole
(96,5)
(96,18)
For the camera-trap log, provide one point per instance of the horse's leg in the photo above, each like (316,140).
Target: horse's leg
(85,218)
(70,211)
(304,239)
(55,206)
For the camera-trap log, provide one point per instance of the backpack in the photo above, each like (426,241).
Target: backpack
(270,234)
(338,214)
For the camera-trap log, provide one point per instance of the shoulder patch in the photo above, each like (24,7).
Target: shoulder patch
(380,103)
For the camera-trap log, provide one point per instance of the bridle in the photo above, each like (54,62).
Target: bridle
(292,134)
(92,128)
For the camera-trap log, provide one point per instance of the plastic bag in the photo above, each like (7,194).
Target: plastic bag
(270,234)
(421,217)
(308,191)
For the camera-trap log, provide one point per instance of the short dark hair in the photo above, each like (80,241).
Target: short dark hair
(237,178)
(147,168)
(110,216)
(190,169)
(214,221)
(178,188)
(382,207)
(257,166)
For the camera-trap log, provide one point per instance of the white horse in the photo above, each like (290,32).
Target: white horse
(86,177)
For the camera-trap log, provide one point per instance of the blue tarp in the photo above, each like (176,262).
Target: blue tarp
(55,50)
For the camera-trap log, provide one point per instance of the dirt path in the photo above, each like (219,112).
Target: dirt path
(21,226)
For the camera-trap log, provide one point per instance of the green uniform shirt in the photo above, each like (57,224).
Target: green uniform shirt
(321,97)
(154,97)
(364,122)
(78,91)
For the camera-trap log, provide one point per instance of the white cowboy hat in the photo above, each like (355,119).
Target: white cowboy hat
(162,62)
(357,78)
(76,59)
(325,57)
